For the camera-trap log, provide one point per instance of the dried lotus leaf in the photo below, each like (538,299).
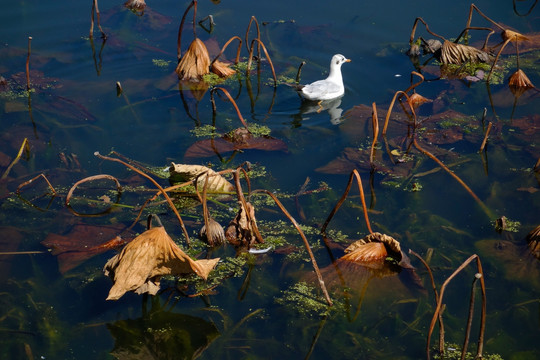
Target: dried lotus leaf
(392,245)
(216,182)
(222,69)
(509,35)
(195,63)
(367,253)
(452,53)
(141,263)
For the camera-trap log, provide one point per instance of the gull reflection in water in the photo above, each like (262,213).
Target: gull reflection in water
(331,106)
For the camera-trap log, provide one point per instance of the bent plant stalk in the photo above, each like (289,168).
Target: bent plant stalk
(163,192)
(267,58)
(354,174)
(306,244)
(375,125)
(228,95)
(480,346)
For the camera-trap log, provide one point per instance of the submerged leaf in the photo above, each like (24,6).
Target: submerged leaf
(148,257)
(374,246)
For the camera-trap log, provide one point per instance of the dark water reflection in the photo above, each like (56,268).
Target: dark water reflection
(74,111)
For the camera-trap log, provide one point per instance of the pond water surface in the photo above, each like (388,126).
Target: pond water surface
(266,306)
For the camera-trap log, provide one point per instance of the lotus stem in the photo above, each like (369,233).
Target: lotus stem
(354,174)
(228,95)
(96,9)
(392,105)
(24,146)
(171,204)
(28,182)
(267,57)
(181,27)
(469,318)
(375,126)
(411,39)
(28,64)
(253,19)
(299,72)
(225,46)
(490,124)
(483,314)
(306,244)
(461,182)
(497,58)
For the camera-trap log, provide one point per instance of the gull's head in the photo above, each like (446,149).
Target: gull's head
(338,60)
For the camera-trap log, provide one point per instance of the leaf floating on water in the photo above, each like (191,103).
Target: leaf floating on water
(148,257)
(216,182)
(238,139)
(82,243)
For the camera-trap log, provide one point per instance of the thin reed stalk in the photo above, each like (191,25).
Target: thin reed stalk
(169,201)
(306,244)
(354,174)
(485,137)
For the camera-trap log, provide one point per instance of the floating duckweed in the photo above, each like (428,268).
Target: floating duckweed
(258,130)
(453,351)
(161,63)
(204,131)
(304,299)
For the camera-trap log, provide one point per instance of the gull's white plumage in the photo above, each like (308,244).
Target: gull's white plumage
(329,88)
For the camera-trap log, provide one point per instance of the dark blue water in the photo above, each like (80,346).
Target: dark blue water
(256,312)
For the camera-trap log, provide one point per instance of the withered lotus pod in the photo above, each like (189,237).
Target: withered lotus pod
(142,262)
(240,231)
(135,5)
(519,83)
(373,247)
(195,63)
(213,234)
(417,100)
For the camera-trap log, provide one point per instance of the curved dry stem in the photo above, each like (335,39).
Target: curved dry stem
(24,146)
(267,57)
(411,39)
(461,182)
(306,244)
(354,173)
(225,47)
(497,58)
(439,305)
(474,7)
(228,95)
(169,201)
(392,105)
(28,64)
(527,13)
(28,182)
(466,30)
(253,19)
(181,28)
(375,126)
(413,86)
(91,178)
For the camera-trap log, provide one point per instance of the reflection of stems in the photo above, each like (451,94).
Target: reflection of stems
(354,173)
(28,64)
(224,91)
(163,192)
(441,325)
(469,319)
(461,182)
(95,7)
(24,146)
(28,182)
(317,334)
(267,58)
(375,125)
(482,316)
(308,248)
